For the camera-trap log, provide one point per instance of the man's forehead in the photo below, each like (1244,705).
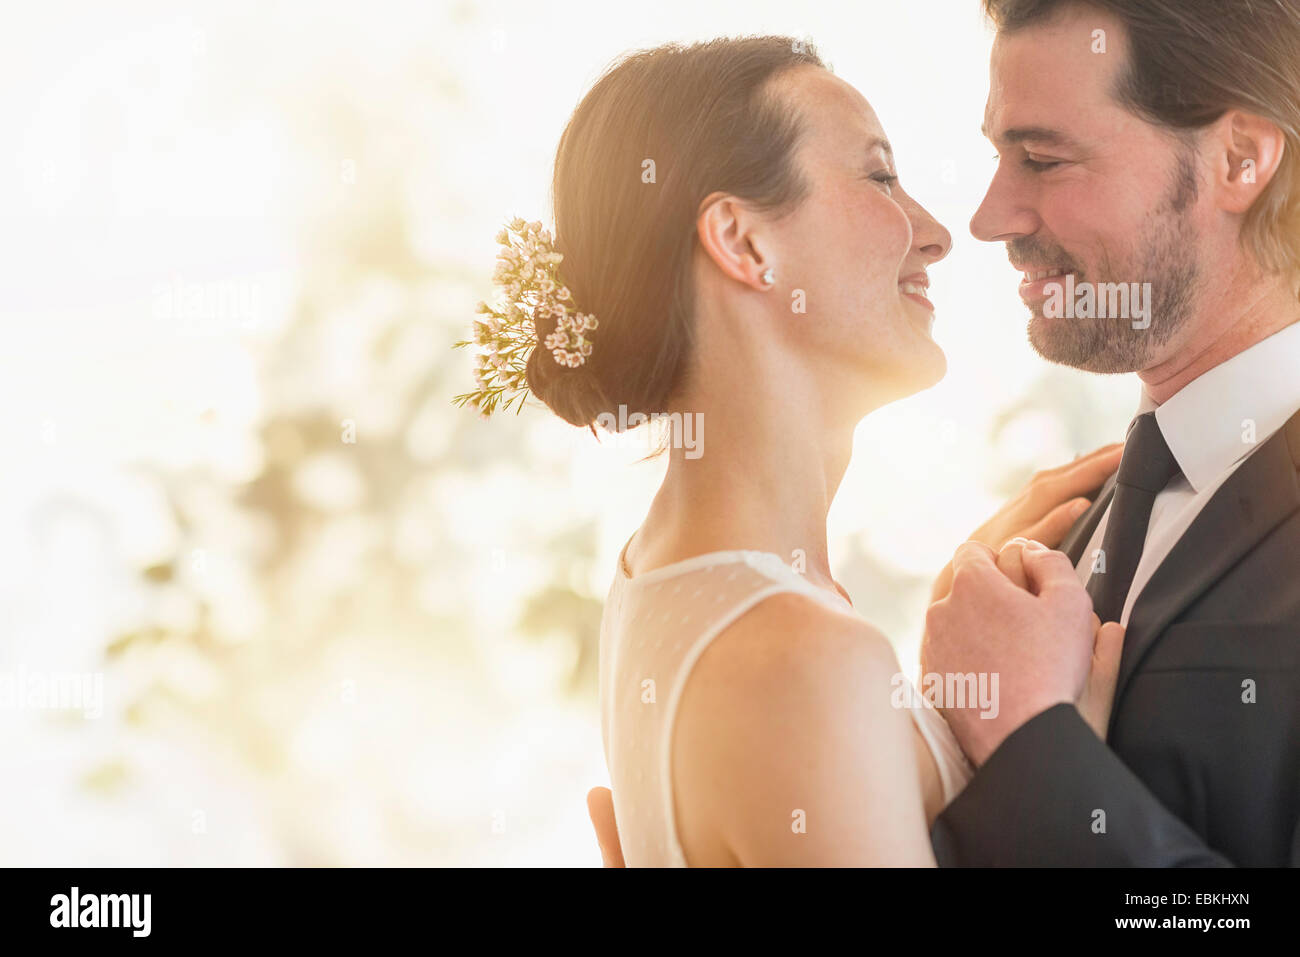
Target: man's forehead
(1070,62)
(1037,100)
(1029,134)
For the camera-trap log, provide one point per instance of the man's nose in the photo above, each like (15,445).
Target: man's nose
(1004,214)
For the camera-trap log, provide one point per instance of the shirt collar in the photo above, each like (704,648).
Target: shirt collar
(1219,418)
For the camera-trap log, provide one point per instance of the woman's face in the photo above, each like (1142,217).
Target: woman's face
(857,248)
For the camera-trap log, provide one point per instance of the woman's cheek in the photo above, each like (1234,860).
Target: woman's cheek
(903,230)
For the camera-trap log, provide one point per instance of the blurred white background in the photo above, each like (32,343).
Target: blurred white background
(336,619)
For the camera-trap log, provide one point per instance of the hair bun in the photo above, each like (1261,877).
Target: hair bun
(572,393)
(537,319)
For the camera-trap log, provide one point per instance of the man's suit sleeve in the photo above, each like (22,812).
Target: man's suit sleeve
(1054,795)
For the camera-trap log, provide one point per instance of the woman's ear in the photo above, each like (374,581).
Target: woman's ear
(729,234)
(1250,148)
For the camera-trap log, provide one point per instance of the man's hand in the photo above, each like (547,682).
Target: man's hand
(1038,640)
(1108,643)
(600,805)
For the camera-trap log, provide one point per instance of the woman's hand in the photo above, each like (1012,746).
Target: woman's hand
(1099,694)
(600,805)
(1046,509)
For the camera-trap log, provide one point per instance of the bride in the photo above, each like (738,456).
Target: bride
(737,247)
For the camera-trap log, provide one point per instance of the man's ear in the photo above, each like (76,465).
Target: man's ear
(730,234)
(1249,150)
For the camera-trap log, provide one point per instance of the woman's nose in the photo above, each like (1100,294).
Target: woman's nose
(931,237)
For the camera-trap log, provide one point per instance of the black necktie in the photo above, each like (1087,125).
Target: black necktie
(1145,469)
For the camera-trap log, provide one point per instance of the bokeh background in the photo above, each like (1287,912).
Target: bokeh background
(337,620)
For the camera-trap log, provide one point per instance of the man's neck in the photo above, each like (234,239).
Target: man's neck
(1268,308)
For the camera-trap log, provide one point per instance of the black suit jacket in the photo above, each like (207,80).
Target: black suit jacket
(1201,764)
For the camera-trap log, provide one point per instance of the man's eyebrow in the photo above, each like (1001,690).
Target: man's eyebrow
(1030,134)
(883,143)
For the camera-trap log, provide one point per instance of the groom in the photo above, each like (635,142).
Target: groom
(1151,142)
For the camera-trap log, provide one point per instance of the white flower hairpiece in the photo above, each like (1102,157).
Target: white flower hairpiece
(529,281)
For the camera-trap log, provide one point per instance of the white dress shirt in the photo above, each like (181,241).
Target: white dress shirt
(1212,425)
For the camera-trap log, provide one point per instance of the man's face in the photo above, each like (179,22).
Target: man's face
(1084,186)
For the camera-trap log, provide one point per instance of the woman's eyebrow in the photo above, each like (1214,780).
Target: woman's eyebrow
(883,144)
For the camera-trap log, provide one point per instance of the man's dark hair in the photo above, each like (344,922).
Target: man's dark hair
(1189,62)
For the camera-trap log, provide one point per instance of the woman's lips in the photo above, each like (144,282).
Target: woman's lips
(916,292)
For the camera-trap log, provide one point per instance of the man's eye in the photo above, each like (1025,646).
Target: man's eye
(889,179)
(1036,166)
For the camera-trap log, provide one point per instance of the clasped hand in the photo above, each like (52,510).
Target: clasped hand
(1020,613)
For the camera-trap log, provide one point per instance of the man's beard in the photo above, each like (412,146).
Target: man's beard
(1167,260)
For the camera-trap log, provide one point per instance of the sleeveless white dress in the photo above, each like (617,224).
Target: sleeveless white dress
(654,628)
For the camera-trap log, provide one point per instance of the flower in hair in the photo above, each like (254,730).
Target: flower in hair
(530,285)
(567,343)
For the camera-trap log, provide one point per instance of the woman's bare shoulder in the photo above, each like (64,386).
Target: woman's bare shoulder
(790,708)
(791,634)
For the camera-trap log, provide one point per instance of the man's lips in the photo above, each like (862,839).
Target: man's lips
(1036,278)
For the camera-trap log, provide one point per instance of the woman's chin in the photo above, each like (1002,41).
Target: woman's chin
(919,373)
(927,364)
(913,364)
(938,366)
(927,369)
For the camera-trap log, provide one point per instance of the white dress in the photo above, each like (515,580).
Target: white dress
(654,628)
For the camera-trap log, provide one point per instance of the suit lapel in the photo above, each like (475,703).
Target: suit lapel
(1076,540)
(1251,503)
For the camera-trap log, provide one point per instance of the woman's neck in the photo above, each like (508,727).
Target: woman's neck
(763,480)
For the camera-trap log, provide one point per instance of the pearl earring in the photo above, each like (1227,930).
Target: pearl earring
(768,277)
